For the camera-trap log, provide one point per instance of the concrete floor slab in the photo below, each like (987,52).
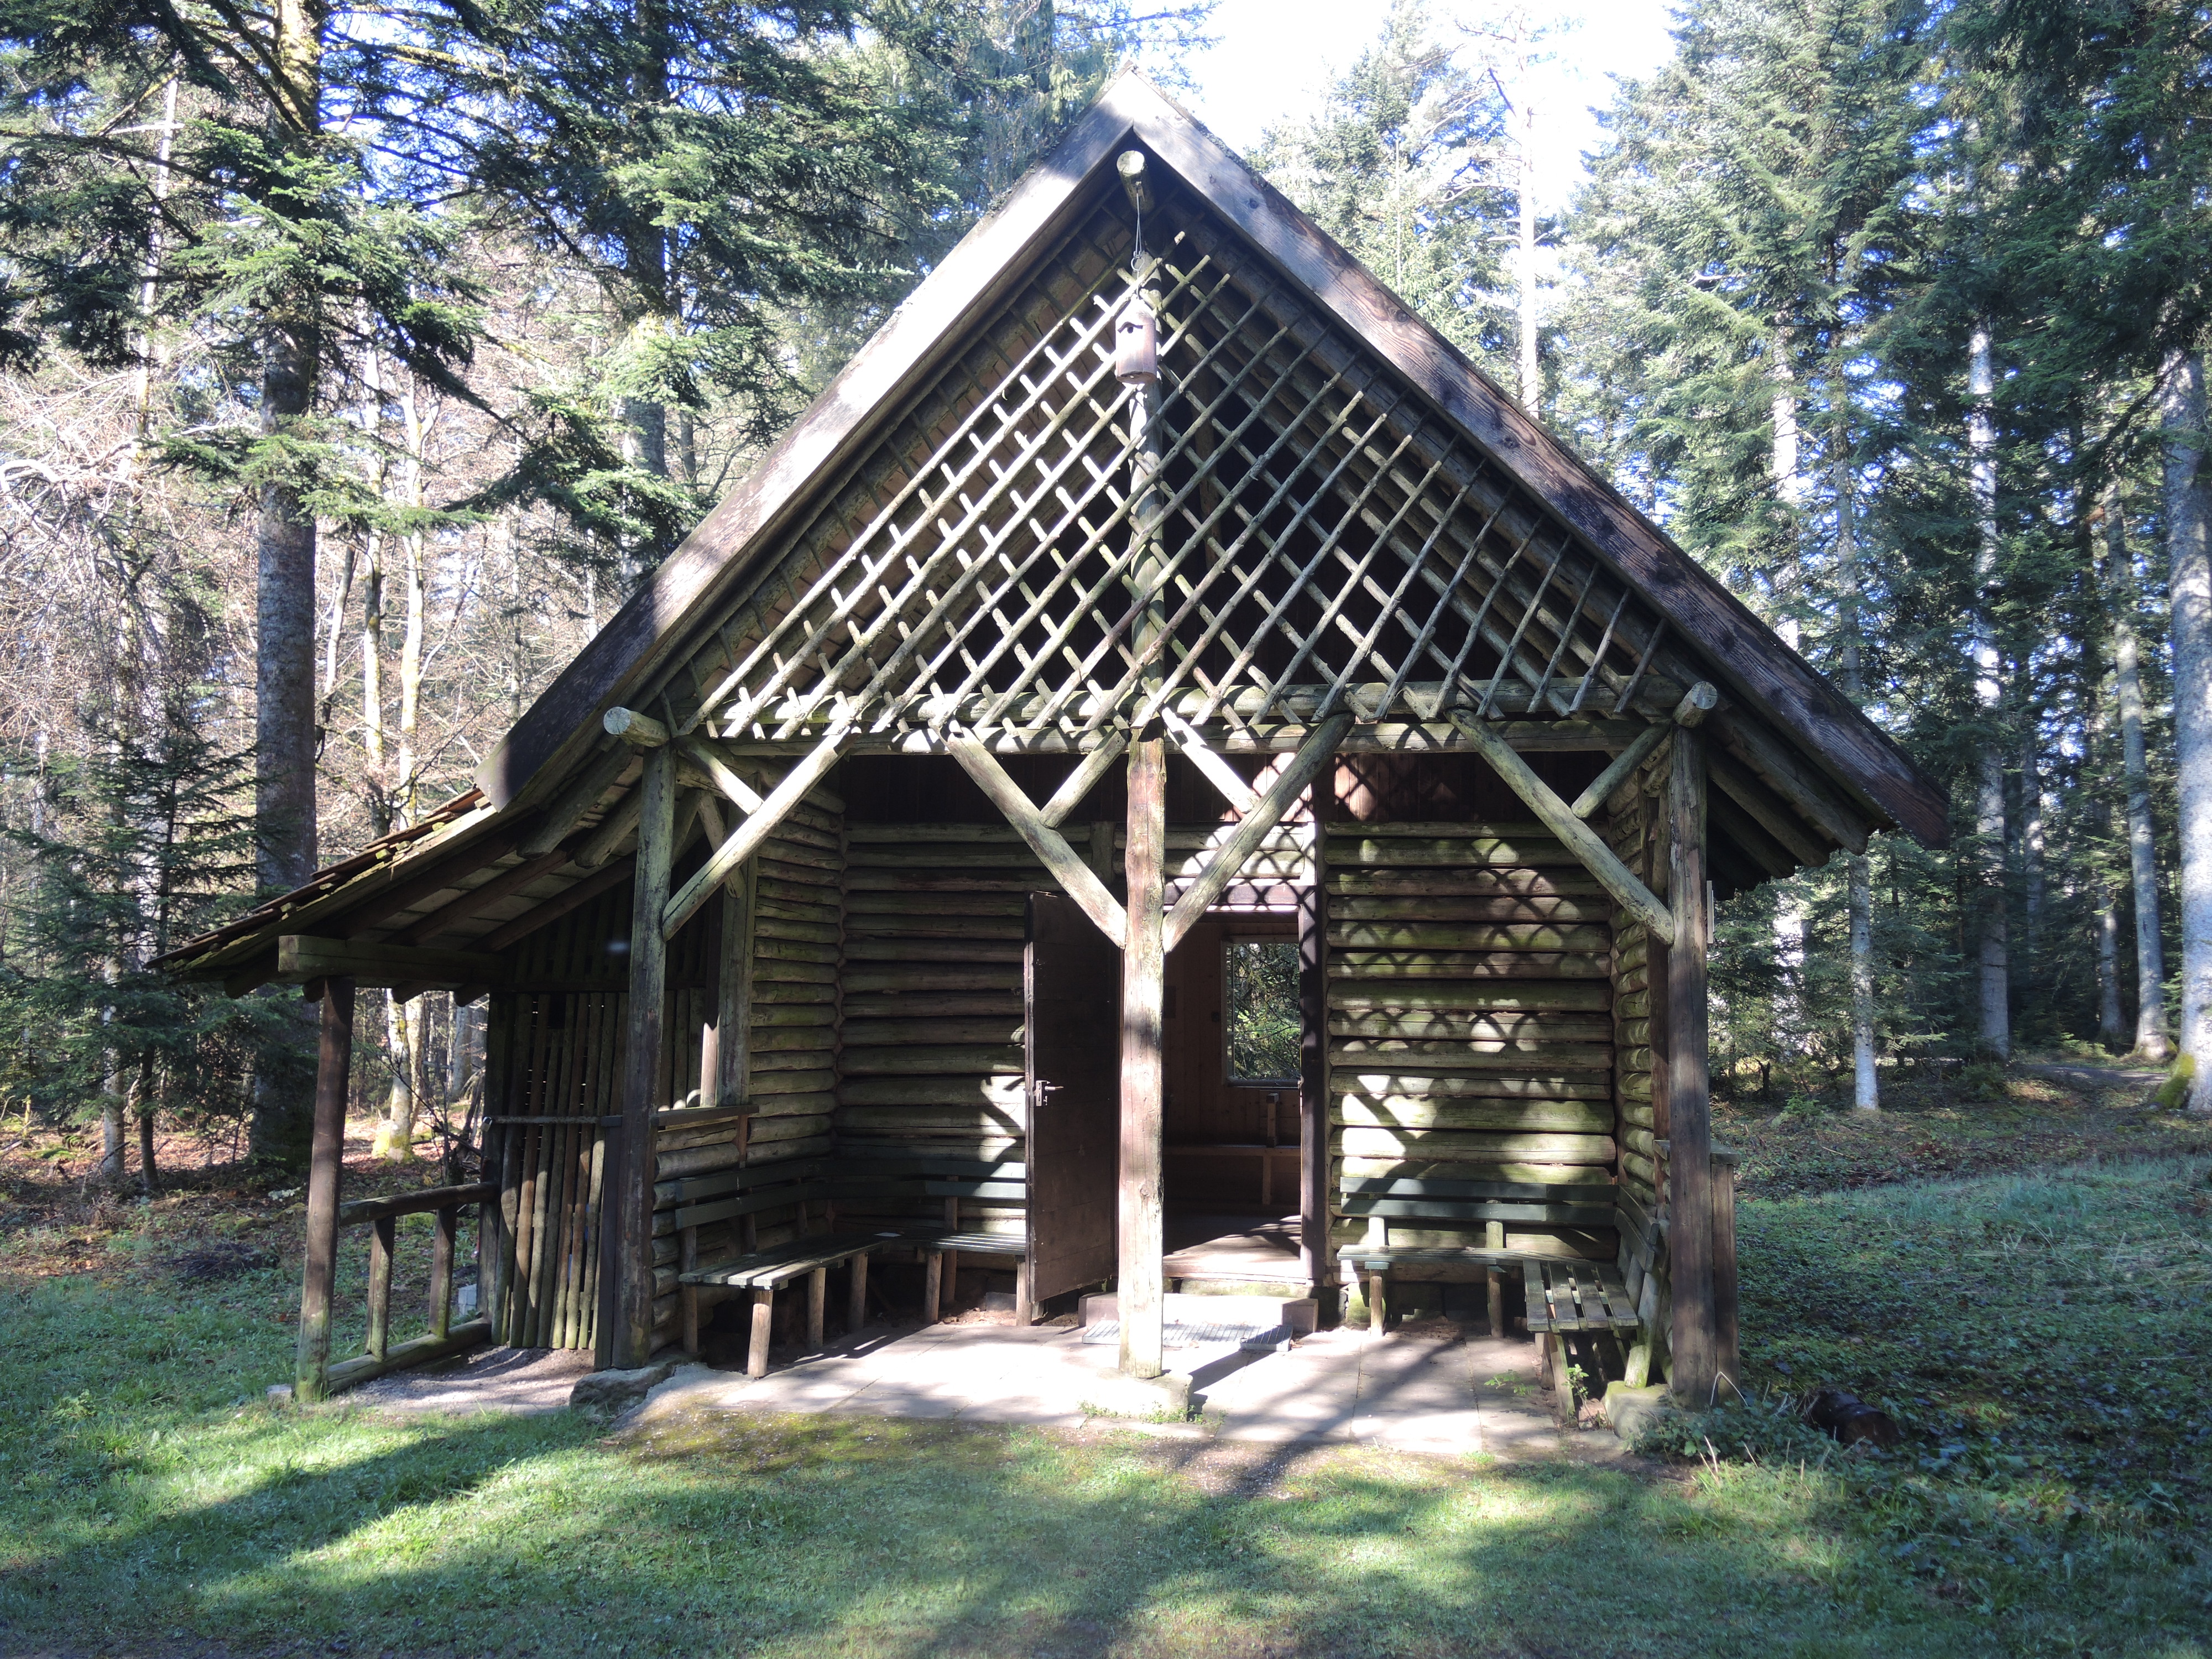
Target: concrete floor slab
(1427,1391)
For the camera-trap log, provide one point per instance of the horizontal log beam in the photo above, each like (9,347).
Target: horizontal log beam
(1387,737)
(638,731)
(361,1210)
(302,957)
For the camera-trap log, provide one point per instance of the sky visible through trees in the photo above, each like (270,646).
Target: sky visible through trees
(357,361)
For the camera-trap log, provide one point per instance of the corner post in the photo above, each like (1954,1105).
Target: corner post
(333,1065)
(625,1324)
(1143,981)
(1313,1051)
(1695,1338)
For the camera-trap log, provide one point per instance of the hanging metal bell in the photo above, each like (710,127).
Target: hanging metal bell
(1137,343)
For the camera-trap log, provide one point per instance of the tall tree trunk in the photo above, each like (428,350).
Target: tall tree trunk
(2032,834)
(142,1105)
(1790,488)
(284,606)
(2150,1041)
(2112,1024)
(2181,410)
(1532,386)
(395,1133)
(1866,1083)
(1993,978)
(645,269)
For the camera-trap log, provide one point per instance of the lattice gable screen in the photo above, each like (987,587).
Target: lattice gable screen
(1327,541)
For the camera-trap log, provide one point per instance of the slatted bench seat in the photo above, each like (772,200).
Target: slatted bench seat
(1572,1296)
(765,1271)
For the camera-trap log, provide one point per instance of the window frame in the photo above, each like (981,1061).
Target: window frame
(1230,938)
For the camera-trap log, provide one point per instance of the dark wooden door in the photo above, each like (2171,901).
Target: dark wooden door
(1072,1016)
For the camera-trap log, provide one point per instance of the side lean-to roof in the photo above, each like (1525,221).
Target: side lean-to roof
(1356,518)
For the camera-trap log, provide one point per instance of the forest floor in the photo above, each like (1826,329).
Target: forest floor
(2020,1277)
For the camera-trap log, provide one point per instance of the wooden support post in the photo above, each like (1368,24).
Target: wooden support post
(953,1280)
(1314,1261)
(856,1295)
(1693,1339)
(763,1319)
(1493,1238)
(448,1223)
(625,1322)
(933,1284)
(1727,1337)
(1379,1301)
(1024,1314)
(817,1302)
(1143,978)
(687,1296)
(382,1241)
(334,1063)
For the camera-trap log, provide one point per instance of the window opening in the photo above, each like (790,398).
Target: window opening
(1261,998)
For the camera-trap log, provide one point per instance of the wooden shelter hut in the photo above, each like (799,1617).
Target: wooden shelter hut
(1153,587)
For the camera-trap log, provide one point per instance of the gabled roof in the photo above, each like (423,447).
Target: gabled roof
(1349,516)
(1476,428)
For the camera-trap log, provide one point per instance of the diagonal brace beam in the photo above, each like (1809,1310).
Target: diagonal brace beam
(745,840)
(1216,770)
(1631,895)
(1079,881)
(1266,812)
(1082,781)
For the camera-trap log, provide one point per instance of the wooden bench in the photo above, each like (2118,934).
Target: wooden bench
(1375,1263)
(1567,1296)
(766,1272)
(942,1251)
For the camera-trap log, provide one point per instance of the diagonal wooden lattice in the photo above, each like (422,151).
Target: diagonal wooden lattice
(1312,539)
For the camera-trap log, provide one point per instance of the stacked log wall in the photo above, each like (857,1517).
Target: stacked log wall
(931,1064)
(788,1073)
(1470,1031)
(1632,829)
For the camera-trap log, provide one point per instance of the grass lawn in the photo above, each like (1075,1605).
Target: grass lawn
(2043,1337)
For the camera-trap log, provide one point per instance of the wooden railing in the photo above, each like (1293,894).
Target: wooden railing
(380,1354)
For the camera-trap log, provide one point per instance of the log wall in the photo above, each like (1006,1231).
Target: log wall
(1633,828)
(554,1050)
(1470,1031)
(789,1067)
(933,1034)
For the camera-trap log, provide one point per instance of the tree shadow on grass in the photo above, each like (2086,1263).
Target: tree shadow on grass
(910,1539)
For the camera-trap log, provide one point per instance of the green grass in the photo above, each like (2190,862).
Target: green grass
(149,1499)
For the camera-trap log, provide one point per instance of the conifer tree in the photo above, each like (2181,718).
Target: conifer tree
(1398,164)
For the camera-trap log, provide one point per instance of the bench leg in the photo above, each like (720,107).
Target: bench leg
(817,1297)
(932,1282)
(1024,1314)
(763,1316)
(1497,1302)
(1378,1302)
(952,1281)
(687,1296)
(1563,1382)
(856,1300)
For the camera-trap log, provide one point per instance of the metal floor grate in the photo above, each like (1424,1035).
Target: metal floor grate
(1200,1334)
